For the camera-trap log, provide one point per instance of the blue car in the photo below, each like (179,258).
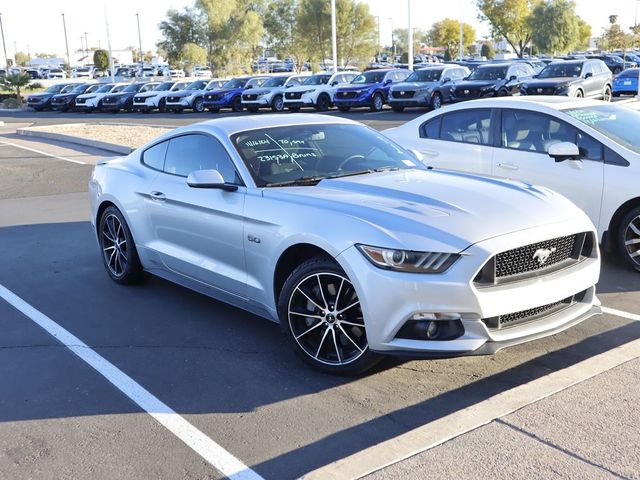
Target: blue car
(230,95)
(626,83)
(369,89)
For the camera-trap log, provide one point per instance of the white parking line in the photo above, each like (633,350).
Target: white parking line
(620,313)
(209,450)
(43,153)
(460,422)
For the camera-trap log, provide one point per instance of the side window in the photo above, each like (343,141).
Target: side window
(533,131)
(590,148)
(470,126)
(154,156)
(189,153)
(431,129)
(588,68)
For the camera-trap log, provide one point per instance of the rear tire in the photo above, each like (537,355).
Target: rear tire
(606,95)
(628,238)
(579,94)
(119,254)
(332,338)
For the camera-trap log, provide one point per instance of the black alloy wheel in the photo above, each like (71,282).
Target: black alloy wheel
(320,314)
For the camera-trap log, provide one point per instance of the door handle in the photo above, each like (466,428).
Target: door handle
(430,153)
(158,196)
(508,166)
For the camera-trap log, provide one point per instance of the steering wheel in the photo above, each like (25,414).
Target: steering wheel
(350,158)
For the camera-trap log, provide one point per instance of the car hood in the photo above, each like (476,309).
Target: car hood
(551,82)
(265,90)
(43,95)
(94,94)
(185,93)
(476,84)
(66,95)
(358,87)
(225,91)
(413,85)
(457,209)
(305,88)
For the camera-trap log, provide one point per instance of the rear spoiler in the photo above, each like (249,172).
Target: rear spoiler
(108,159)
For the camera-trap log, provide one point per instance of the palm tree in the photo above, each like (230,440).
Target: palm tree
(14,83)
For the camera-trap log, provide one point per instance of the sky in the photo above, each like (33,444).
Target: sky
(39,28)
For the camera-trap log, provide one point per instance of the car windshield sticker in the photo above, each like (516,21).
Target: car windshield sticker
(287,150)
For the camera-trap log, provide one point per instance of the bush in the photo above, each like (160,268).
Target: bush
(487,51)
(10,103)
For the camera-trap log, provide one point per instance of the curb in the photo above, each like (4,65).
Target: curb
(111,147)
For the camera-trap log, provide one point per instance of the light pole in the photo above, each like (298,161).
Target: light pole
(86,43)
(4,47)
(66,42)
(139,41)
(378,49)
(334,43)
(106,21)
(28,55)
(410,33)
(393,43)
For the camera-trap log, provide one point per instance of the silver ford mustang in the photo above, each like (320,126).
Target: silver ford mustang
(329,228)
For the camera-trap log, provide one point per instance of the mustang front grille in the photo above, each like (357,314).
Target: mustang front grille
(536,259)
(531,314)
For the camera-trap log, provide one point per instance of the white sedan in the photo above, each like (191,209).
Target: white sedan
(328,227)
(587,150)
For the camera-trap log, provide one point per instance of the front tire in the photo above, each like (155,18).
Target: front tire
(236,104)
(320,315)
(436,101)
(119,254)
(628,238)
(277,104)
(377,103)
(198,105)
(606,96)
(579,94)
(162,105)
(323,103)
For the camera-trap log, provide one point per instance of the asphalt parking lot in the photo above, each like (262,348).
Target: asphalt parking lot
(230,374)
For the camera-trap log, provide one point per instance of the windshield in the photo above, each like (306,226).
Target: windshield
(105,88)
(119,88)
(163,87)
(561,70)
(54,89)
(617,123)
(67,89)
(215,84)
(275,82)
(235,83)
(306,154)
(317,80)
(488,73)
(427,75)
(199,85)
(80,88)
(134,87)
(369,77)
(614,58)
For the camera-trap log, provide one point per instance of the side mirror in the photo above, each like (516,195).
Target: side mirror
(249,87)
(208,179)
(588,75)
(562,151)
(388,81)
(512,77)
(446,80)
(334,83)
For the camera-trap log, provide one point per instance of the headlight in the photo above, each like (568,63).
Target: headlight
(407,260)
(304,92)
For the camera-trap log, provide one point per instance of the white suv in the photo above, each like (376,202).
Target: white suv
(193,95)
(271,92)
(89,102)
(317,91)
(202,72)
(157,98)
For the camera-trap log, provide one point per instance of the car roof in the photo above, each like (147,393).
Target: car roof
(230,125)
(554,102)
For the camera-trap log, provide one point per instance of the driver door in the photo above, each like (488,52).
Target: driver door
(198,232)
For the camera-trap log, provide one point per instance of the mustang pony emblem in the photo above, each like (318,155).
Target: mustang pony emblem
(542,254)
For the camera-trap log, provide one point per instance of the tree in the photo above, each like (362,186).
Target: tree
(509,19)
(446,33)
(313,29)
(193,55)
(280,26)
(178,29)
(356,32)
(21,58)
(487,51)
(401,38)
(584,34)
(101,59)
(614,38)
(15,82)
(554,26)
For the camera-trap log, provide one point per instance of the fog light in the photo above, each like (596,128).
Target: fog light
(432,326)
(432,329)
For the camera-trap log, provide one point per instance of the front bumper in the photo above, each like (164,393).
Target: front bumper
(388,299)
(264,101)
(412,102)
(148,104)
(304,101)
(217,104)
(485,94)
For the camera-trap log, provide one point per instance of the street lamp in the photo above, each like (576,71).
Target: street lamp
(139,41)
(4,47)
(378,48)
(334,43)
(410,33)
(66,43)
(393,43)
(86,43)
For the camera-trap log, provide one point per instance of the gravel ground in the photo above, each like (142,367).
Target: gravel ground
(129,135)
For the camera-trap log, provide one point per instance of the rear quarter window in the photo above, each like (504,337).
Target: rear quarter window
(431,128)
(154,156)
